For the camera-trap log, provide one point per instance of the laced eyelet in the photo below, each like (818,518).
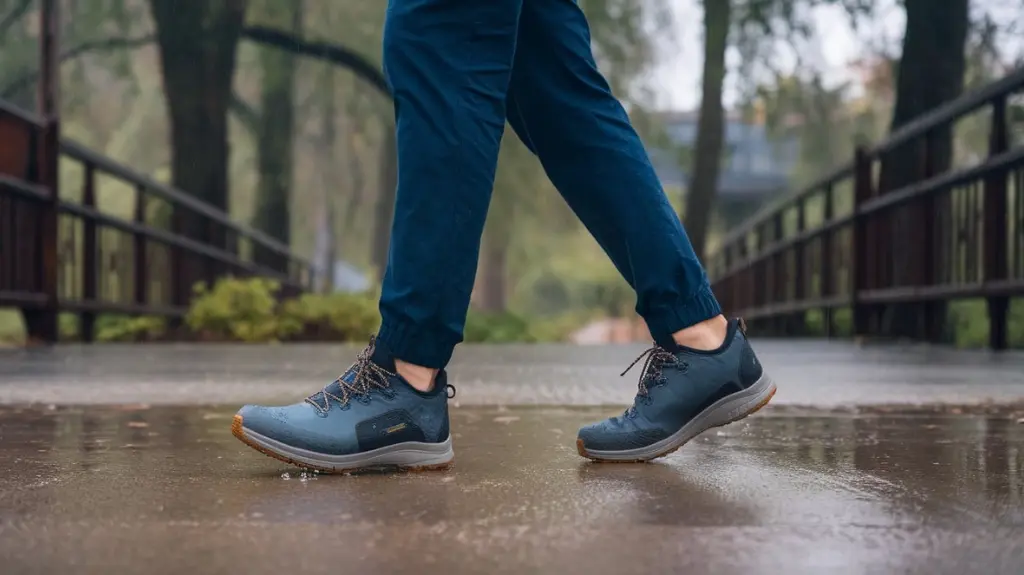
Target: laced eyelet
(357,383)
(684,367)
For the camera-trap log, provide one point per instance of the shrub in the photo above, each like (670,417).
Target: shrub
(507,327)
(114,328)
(334,317)
(485,327)
(236,309)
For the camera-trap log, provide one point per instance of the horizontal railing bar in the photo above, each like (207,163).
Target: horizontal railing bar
(122,308)
(22,298)
(783,203)
(904,294)
(82,154)
(940,116)
(796,306)
(907,294)
(951,111)
(21,114)
(166,238)
(24,189)
(779,246)
(993,166)
(1004,162)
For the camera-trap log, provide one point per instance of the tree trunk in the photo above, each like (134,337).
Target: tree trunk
(276,135)
(707,154)
(198,40)
(930,73)
(326,250)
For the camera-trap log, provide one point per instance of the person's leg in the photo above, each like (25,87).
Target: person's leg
(562,108)
(448,62)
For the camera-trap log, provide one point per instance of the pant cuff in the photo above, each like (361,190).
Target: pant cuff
(667,320)
(417,345)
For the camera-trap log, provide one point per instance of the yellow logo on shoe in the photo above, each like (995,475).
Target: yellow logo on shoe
(395,428)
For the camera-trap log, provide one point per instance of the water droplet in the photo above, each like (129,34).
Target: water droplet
(286,476)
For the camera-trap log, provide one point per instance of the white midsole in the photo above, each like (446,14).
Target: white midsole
(408,454)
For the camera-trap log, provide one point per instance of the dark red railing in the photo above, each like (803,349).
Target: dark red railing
(830,247)
(109,240)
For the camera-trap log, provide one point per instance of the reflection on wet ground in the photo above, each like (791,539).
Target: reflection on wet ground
(168,490)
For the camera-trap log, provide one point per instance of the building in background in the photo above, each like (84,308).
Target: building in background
(755,167)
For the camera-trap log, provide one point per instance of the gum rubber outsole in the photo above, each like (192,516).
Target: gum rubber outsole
(583,450)
(238,431)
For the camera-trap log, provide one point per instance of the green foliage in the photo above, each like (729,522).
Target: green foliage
(236,310)
(840,324)
(249,310)
(968,322)
(508,327)
(116,328)
(333,317)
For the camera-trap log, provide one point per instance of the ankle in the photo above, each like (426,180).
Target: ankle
(421,378)
(706,336)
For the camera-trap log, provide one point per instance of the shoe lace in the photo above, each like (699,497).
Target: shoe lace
(655,358)
(367,377)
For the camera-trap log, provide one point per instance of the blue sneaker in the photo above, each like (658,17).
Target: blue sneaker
(369,418)
(682,393)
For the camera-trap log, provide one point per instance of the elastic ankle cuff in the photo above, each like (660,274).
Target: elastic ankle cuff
(667,320)
(416,345)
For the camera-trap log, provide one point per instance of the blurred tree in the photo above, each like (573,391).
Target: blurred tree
(103,26)
(198,40)
(707,154)
(276,128)
(930,73)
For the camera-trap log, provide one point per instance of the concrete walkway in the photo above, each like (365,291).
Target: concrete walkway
(817,374)
(167,490)
(119,459)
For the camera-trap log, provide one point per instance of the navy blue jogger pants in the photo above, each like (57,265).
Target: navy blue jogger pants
(458,70)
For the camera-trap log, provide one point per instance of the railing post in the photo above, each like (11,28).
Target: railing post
(179,264)
(89,255)
(797,321)
(43,324)
(825,262)
(723,262)
(760,285)
(141,278)
(778,267)
(740,287)
(934,312)
(995,230)
(860,259)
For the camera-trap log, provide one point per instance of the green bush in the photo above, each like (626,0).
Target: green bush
(114,328)
(250,310)
(506,327)
(334,317)
(236,310)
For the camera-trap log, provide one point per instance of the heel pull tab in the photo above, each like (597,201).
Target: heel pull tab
(743,325)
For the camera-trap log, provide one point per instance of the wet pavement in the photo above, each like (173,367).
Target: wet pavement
(166,489)
(819,374)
